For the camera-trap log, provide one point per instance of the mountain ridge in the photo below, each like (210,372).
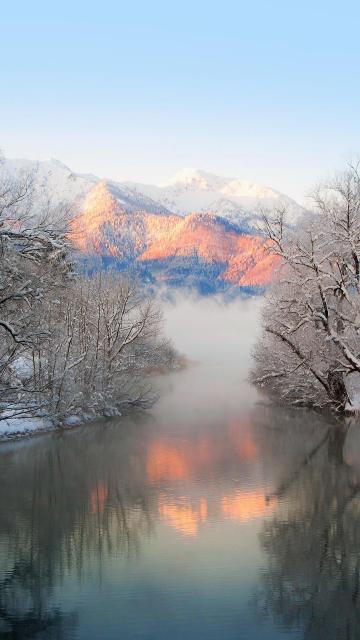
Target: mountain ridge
(188,191)
(168,245)
(168,234)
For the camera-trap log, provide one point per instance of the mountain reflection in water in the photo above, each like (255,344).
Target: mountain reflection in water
(212,516)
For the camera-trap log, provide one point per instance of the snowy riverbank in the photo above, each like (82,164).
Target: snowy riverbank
(12,428)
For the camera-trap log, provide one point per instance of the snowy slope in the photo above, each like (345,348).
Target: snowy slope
(180,233)
(55,180)
(237,200)
(190,190)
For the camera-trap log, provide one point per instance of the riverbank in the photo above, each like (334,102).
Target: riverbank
(14,426)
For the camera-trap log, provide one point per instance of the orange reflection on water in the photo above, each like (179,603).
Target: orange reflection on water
(169,461)
(183,516)
(245,505)
(166,462)
(98,497)
(242,441)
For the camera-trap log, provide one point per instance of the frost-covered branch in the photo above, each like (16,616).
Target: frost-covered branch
(313,310)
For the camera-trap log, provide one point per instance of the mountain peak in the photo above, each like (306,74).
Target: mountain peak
(247,189)
(197,179)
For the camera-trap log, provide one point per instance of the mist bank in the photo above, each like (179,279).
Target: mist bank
(211,342)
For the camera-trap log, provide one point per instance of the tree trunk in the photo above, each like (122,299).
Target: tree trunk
(337,389)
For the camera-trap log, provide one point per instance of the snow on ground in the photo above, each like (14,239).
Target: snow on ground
(18,427)
(11,426)
(22,367)
(354,407)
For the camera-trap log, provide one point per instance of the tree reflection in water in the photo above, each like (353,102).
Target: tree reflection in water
(24,610)
(70,506)
(312,543)
(79,502)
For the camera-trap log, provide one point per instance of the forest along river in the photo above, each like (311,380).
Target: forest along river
(211,516)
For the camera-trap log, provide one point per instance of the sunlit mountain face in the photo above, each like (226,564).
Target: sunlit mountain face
(198,231)
(199,249)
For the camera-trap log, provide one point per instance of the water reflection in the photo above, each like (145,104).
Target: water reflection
(246,505)
(71,502)
(312,542)
(214,516)
(187,458)
(183,514)
(65,502)
(186,462)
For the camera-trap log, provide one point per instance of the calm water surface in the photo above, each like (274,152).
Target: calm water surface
(213,516)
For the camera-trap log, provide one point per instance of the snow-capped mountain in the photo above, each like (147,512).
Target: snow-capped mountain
(237,200)
(200,249)
(196,231)
(189,191)
(61,184)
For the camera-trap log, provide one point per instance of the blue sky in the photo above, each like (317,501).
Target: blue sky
(267,91)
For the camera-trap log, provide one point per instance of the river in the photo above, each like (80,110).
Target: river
(211,516)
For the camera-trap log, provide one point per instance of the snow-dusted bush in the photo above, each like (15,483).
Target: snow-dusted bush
(103,337)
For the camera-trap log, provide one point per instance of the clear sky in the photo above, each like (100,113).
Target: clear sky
(264,90)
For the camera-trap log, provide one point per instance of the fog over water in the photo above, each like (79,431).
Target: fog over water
(217,338)
(213,515)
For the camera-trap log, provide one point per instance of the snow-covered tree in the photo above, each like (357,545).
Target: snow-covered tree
(33,267)
(103,339)
(309,351)
(68,344)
